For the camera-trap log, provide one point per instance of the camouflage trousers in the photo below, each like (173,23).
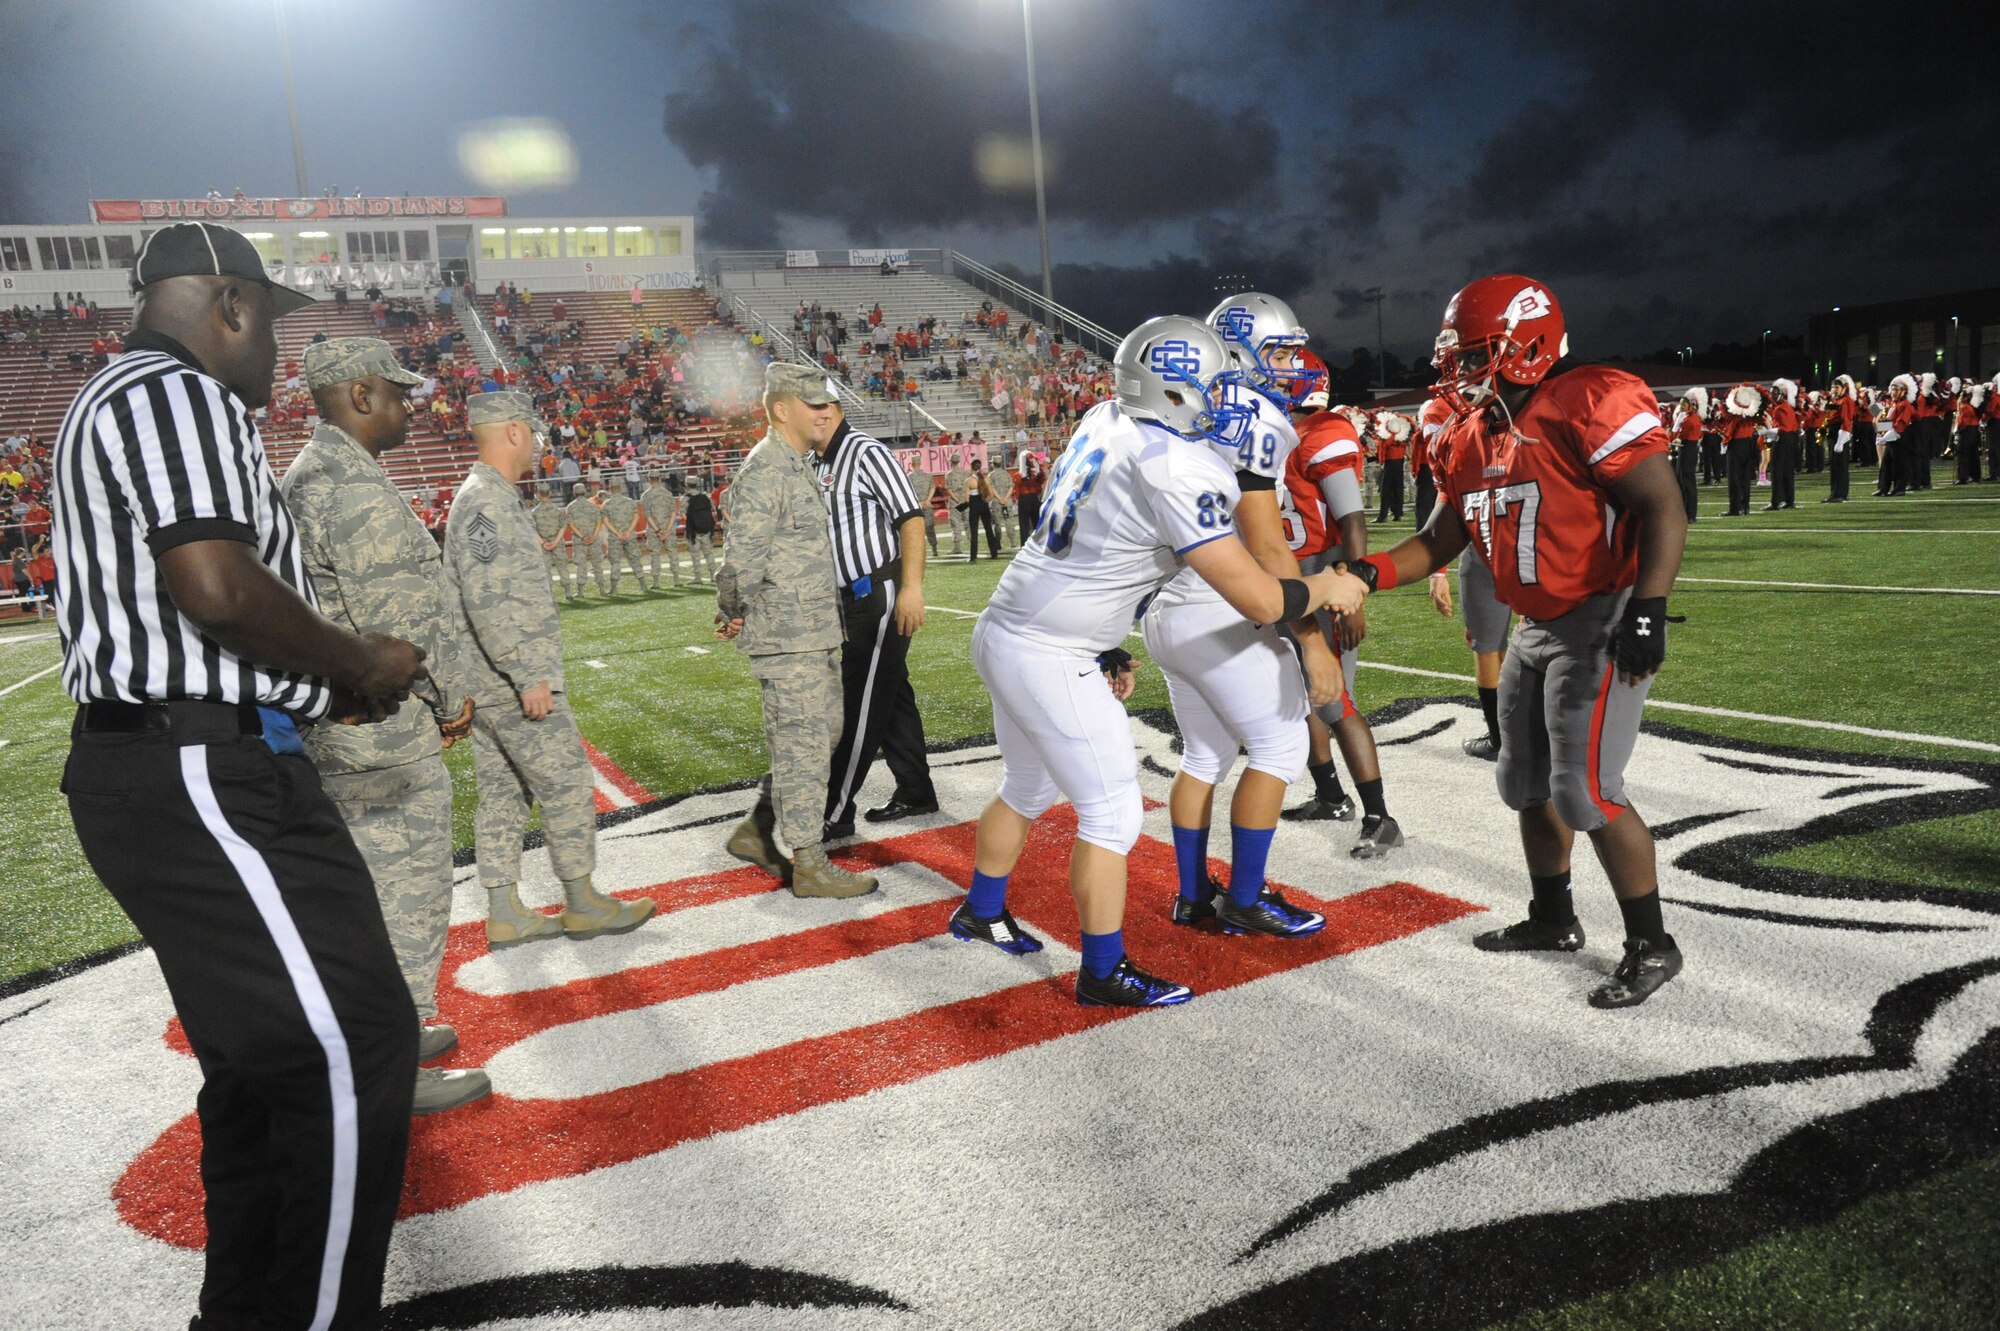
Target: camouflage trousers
(655,540)
(701,555)
(802,713)
(562,567)
(400,819)
(628,554)
(593,553)
(521,763)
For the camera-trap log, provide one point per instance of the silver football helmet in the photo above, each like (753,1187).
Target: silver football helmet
(1175,370)
(1253,326)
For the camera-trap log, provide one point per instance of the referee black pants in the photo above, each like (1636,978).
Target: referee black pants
(239,872)
(878,706)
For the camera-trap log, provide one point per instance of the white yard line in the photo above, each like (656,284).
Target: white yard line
(947,610)
(9,640)
(31,679)
(1861,531)
(1909,737)
(596,665)
(1847,587)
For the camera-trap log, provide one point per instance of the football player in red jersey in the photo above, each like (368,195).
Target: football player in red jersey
(1560,476)
(1325,522)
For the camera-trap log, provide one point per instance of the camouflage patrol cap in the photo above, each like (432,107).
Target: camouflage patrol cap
(501,406)
(339,360)
(807,384)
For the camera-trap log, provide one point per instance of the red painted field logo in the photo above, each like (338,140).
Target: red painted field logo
(504,1143)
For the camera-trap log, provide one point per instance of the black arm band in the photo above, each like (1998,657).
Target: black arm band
(1363,570)
(1298,599)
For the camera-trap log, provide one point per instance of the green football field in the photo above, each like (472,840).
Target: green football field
(1850,628)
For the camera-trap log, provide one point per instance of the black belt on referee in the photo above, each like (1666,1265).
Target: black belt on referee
(863,587)
(188,720)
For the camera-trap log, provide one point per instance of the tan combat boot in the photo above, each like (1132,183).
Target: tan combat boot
(755,841)
(590,913)
(439,1089)
(510,924)
(814,875)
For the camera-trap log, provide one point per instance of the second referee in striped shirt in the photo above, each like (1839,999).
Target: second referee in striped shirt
(878,556)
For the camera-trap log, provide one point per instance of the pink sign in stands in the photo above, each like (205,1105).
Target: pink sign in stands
(937,459)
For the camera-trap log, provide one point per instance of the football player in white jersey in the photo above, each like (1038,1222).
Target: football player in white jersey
(1236,683)
(1138,492)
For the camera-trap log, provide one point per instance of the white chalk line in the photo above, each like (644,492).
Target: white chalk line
(1844,586)
(49,670)
(1858,531)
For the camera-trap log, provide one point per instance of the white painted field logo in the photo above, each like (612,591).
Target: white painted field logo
(828,1107)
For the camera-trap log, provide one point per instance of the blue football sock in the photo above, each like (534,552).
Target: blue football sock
(1191,857)
(988,896)
(1249,848)
(1103,952)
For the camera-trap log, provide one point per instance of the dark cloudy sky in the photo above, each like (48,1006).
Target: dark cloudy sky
(1679,173)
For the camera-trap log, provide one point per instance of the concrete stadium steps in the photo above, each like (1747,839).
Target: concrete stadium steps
(905,299)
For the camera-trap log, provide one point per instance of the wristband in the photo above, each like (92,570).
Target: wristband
(1114,660)
(1378,571)
(1298,599)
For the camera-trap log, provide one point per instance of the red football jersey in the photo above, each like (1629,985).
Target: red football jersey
(1535,498)
(1328,442)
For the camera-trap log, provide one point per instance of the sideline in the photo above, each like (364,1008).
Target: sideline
(1860,531)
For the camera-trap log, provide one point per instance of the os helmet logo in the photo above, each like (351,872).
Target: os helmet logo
(1531,303)
(1175,358)
(1236,324)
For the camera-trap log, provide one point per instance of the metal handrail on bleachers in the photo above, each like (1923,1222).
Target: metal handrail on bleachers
(1056,316)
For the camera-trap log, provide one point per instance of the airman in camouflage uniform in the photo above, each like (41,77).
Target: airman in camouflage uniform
(775,596)
(524,740)
(377,570)
(958,501)
(1000,482)
(621,518)
(662,508)
(923,485)
(552,525)
(586,525)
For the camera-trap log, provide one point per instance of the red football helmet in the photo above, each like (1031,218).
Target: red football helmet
(1310,384)
(1505,325)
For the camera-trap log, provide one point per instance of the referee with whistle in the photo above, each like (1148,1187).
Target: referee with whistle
(878,558)
(192,643)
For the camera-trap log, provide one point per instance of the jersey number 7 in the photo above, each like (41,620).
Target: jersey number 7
(1485,507)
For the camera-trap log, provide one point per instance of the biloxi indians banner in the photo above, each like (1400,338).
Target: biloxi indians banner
(294,210)
(806,1115)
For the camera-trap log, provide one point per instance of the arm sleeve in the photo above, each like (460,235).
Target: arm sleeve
(1342,491)
(1190,507)
(753,523)
(187,458)
(1621,427)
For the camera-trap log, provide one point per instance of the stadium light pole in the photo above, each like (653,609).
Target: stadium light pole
(1381,371)
(1035,140)
(292,100)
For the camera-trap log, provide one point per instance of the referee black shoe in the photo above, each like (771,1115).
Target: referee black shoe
(899,808)
(1317,810)
(1001,931)
(1533,935)
(1645,968)
(1270,914)
(1128,986)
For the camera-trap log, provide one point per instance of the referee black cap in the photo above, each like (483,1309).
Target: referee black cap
(203,249)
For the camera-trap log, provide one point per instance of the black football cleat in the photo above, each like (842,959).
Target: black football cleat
(1000,931)
(1317,810)
(1646,967)
(1270,914)
(1532,935)
(1379,836)
(1128,986)
(1483,747)
(1188,914)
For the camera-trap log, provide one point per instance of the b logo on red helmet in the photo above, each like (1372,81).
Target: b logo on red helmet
(1530,303)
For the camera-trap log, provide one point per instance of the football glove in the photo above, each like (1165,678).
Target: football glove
(1640,645)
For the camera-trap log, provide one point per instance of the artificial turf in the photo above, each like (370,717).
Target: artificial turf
(677,709)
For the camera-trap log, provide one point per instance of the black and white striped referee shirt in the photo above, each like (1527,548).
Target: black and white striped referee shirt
(154,454)
(869,497)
